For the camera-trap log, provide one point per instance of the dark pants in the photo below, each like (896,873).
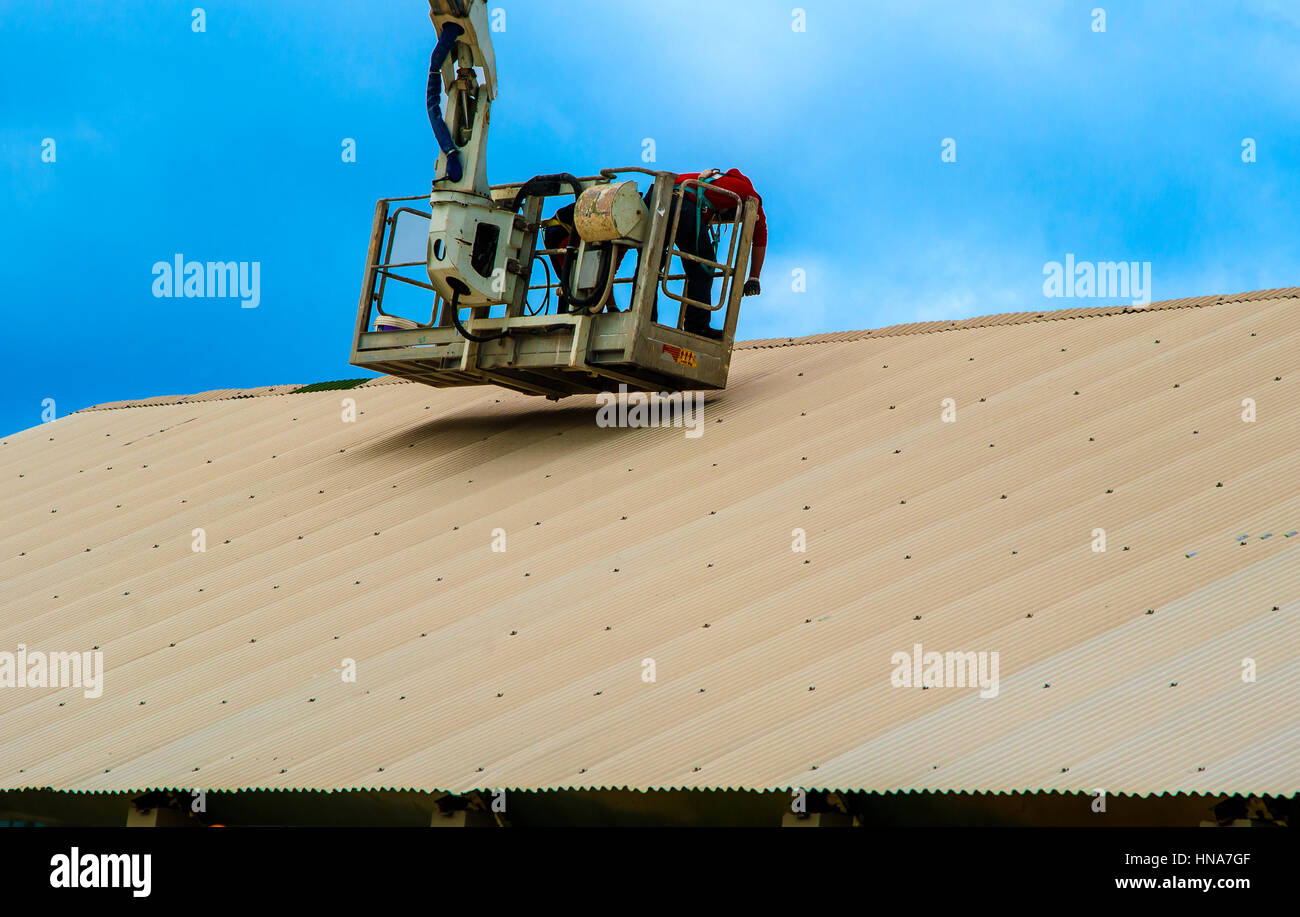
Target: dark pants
(699,277)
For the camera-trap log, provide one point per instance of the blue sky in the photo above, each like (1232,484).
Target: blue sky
(226,145)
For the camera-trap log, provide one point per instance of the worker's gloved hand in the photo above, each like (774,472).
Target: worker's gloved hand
(753,287)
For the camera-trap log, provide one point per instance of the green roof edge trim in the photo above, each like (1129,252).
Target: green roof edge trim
(329,386)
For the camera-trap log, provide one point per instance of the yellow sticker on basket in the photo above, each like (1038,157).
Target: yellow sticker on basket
(681,355)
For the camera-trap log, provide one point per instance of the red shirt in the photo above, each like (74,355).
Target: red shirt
(734,181)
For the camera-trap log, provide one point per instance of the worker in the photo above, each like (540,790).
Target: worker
(698,213)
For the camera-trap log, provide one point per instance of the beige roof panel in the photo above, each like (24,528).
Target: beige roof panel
(373,541)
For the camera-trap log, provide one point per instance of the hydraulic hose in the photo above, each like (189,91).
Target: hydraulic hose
(464,332)
(565,277)
(433,99)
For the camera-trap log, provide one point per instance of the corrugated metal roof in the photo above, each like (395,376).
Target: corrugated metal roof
(373,541)
(217,395)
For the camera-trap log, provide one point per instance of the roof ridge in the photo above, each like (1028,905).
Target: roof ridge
(1016,318)
(982,321)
